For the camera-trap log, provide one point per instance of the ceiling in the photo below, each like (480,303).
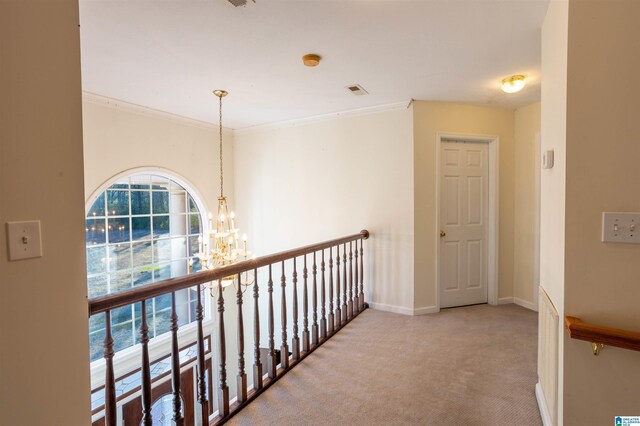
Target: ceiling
(170,55)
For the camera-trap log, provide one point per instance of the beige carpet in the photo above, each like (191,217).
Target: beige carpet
(466,366)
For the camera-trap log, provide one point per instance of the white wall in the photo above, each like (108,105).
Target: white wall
(44,348)
(603,131)
(120,136)
(306,183)
(552,181)
(526,208)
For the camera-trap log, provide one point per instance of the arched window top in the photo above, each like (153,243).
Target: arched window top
(142,228)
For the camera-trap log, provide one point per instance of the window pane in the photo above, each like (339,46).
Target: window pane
(97,209)
(194,224)
(97,285)
(118,203)
(96,342)
(140,202)
(159,183)
(193,208)
(160,202)
(163,272)
(143,276)
(122,335)
(141,228)
(160,226)
(121,315)
(96,259)
(142,253)
(140,182)
(121,184)
(119,281)
(96,323)
(163,302)
(193,246)
(161,251)
(119,256)
(162,321)
(95,231)
(119,230)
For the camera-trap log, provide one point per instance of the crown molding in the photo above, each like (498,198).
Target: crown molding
(325,117)
(105,101)
(142,110)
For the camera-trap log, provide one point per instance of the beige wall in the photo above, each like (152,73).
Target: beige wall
(601,280)
(315,181)
(429,119)
(44,357)
(526,208)
(552,182)
(119,137)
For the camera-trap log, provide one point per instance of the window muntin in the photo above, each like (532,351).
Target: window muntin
(142,229)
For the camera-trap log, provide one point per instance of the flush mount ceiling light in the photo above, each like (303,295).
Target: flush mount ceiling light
(513,84)
(311,60)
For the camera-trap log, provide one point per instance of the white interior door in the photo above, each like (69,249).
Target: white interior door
(464,199)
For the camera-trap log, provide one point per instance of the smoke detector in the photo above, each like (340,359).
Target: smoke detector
(357,90)
(238,3)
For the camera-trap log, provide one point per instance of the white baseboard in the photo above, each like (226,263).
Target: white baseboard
(525,304)
(426,310)
(542,406)
(404,311)
(391,308)
(505,300)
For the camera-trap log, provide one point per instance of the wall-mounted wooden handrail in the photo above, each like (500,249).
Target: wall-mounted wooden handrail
(601,335)
(138,294)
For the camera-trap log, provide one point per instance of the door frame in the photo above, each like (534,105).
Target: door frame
(493,142)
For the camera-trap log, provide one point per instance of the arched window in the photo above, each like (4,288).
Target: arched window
(143,228)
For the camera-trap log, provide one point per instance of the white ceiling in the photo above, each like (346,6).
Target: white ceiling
(170,55)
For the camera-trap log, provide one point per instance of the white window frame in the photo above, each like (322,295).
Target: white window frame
(128,359)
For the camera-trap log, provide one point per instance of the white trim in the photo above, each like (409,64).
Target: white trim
(493,231)
(404,311)
(94,98)
(536,232)
(542,406)
(426,310)
(324,117)
(505,300)
(391,308)
(525,304)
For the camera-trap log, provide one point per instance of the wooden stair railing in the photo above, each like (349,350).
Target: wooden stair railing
(352,304)
(600,335)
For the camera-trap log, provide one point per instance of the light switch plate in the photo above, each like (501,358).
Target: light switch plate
(24,240)
(621,227)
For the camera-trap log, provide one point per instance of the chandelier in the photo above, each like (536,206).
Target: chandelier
(221,244)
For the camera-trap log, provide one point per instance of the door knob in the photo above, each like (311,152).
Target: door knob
(442,234)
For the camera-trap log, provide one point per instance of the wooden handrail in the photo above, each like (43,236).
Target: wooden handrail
(138,294)
(181,413)
(599,334)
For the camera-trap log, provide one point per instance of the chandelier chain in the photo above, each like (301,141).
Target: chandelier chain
(220,128)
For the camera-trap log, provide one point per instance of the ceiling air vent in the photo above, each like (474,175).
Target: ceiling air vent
(356,89)
(237,3)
